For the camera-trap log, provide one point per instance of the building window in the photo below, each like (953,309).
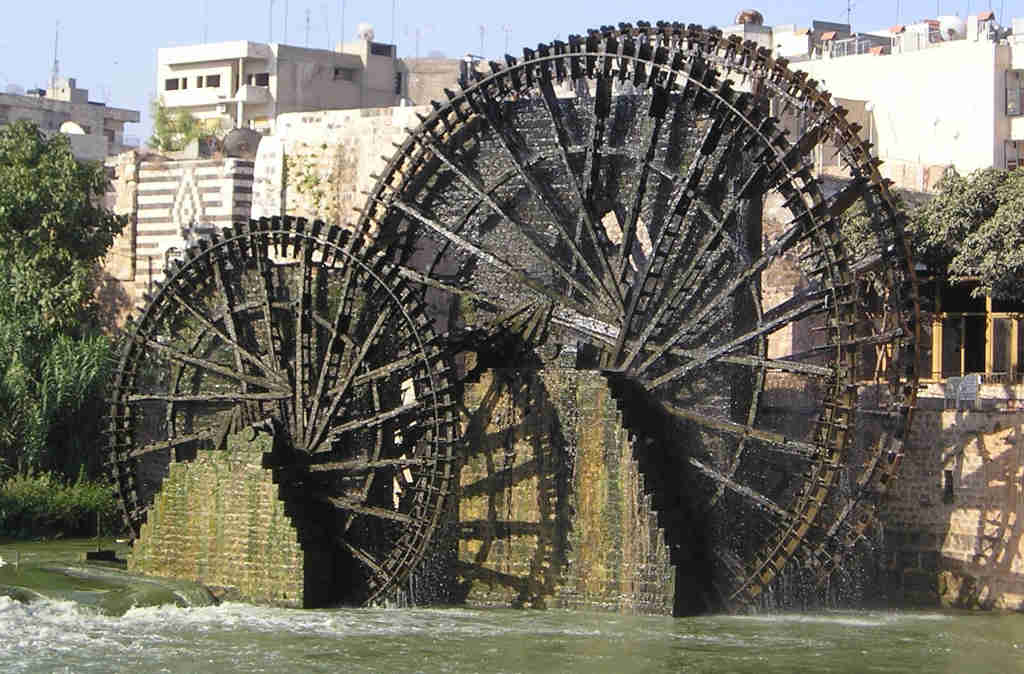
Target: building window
(213,81)
(398,84)
(171,84)
(345,74)
(199,82)
(258,79)
(378,49)
(184,83)
(1014,87)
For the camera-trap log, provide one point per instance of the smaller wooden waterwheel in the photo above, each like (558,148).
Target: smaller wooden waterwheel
(279,325)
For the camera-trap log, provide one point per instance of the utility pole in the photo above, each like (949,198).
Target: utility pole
(508,33)
(341,8)
(483,30)
(307,26)
(394,37)
(285,41)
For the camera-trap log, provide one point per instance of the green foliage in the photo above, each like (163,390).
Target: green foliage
(973,230)
(51,400)
(53,230)
(172,131)
(53,233)
(43,505)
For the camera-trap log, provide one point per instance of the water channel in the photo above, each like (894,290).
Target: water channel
(57,635)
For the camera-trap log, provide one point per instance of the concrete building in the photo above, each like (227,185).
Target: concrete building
(95,130)
(248,84)
(928,101)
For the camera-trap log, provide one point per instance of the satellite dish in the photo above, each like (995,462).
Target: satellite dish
(952,28)
(242,143)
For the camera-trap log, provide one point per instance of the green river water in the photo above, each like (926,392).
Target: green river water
(81,633)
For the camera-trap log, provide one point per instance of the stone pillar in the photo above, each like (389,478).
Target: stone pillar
(551,505)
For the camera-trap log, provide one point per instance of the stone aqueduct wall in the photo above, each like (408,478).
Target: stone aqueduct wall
(218,520)
(551,504)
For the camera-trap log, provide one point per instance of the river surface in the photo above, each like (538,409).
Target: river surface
(54,635)
(57,636)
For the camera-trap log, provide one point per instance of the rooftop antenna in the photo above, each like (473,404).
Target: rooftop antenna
(849,11)
(394,37)
(55,73)
(285,21)
(271,18)
(307,26)
(341,13)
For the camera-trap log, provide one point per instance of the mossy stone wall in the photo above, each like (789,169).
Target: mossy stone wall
(551,504)
(217,520)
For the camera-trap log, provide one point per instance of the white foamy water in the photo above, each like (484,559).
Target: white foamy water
(57,636)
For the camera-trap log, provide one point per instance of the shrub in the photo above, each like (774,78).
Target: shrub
(43,505)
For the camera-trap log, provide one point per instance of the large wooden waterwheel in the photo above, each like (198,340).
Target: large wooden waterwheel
(603,198)
(277,325)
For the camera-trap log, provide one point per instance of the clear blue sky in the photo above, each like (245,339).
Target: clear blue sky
(110,45)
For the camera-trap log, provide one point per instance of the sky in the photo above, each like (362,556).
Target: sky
(110,46)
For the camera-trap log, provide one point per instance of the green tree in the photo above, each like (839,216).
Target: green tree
(172,131)
(53,232)
(973,230)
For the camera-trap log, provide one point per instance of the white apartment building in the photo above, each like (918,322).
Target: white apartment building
(248,84)
(95,130)
(928,100)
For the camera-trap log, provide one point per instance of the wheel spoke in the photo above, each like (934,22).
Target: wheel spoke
(320,431)
(746,492)
(776,441)
(239,397)
(366,558)
(240,352)
(164,445)
(557,219)
(373,421)
(504,266)
(589,222)
(330,357)
(180,357)
(705,356)
(360,508)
